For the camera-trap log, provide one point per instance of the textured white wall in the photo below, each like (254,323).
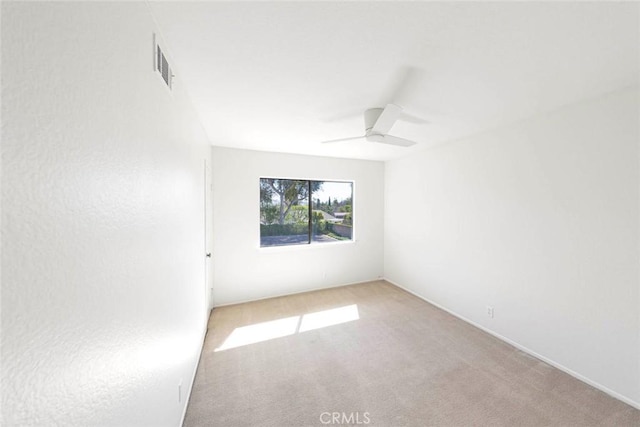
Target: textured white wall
(243,271)
(540,221)
(103,302)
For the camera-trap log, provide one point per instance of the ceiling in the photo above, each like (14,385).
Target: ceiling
(283,76)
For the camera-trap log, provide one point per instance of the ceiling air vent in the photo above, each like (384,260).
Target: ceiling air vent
(162,66)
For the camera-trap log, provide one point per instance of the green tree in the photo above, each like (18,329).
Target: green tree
(319,224)
(297,215)
(268,212)
(287,192)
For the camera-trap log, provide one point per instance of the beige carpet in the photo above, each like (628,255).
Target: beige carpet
(395,360)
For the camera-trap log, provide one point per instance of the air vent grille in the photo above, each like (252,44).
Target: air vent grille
(163,67)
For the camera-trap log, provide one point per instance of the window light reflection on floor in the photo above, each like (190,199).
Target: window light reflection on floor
(278,328)
(259,332)
(335,316)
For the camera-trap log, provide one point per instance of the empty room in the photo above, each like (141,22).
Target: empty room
(320,213)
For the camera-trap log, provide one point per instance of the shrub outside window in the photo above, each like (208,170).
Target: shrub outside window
(295,211)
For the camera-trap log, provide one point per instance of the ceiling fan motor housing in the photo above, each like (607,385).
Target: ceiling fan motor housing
(377,124)
(370,118)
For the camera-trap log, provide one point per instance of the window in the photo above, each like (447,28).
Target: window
(294,212)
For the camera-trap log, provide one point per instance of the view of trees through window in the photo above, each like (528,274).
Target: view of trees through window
(301,211)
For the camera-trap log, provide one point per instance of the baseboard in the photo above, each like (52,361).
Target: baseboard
(298,293)
(557,365)
(195,369)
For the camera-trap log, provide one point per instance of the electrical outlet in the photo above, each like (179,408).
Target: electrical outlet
(490,311)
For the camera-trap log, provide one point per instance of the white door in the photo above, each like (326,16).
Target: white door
(208,265)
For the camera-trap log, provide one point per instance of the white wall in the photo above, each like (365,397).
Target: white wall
(103,294)
(243,271)
(540,221)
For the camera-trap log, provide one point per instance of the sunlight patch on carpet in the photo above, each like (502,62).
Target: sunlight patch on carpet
(334,316)
(265,331)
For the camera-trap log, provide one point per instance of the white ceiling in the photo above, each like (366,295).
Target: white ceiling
(279,76)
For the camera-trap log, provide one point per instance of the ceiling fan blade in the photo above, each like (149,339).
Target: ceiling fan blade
(343,139)
(409,118)
(403,85)
(394,140)
(387,118)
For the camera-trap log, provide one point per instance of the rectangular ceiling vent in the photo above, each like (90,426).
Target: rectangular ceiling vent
(162,65)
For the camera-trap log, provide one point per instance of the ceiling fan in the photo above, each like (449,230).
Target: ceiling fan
(377,122)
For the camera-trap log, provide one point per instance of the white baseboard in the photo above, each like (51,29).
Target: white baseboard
(557,365)
(195,369)
(297,293)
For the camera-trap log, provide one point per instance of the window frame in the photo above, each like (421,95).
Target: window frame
(310,243)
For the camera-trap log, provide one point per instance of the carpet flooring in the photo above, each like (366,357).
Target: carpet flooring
(373,354)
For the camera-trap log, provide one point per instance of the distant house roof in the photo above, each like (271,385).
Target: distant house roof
(327,216)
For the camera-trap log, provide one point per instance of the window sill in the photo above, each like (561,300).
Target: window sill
(305,246)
